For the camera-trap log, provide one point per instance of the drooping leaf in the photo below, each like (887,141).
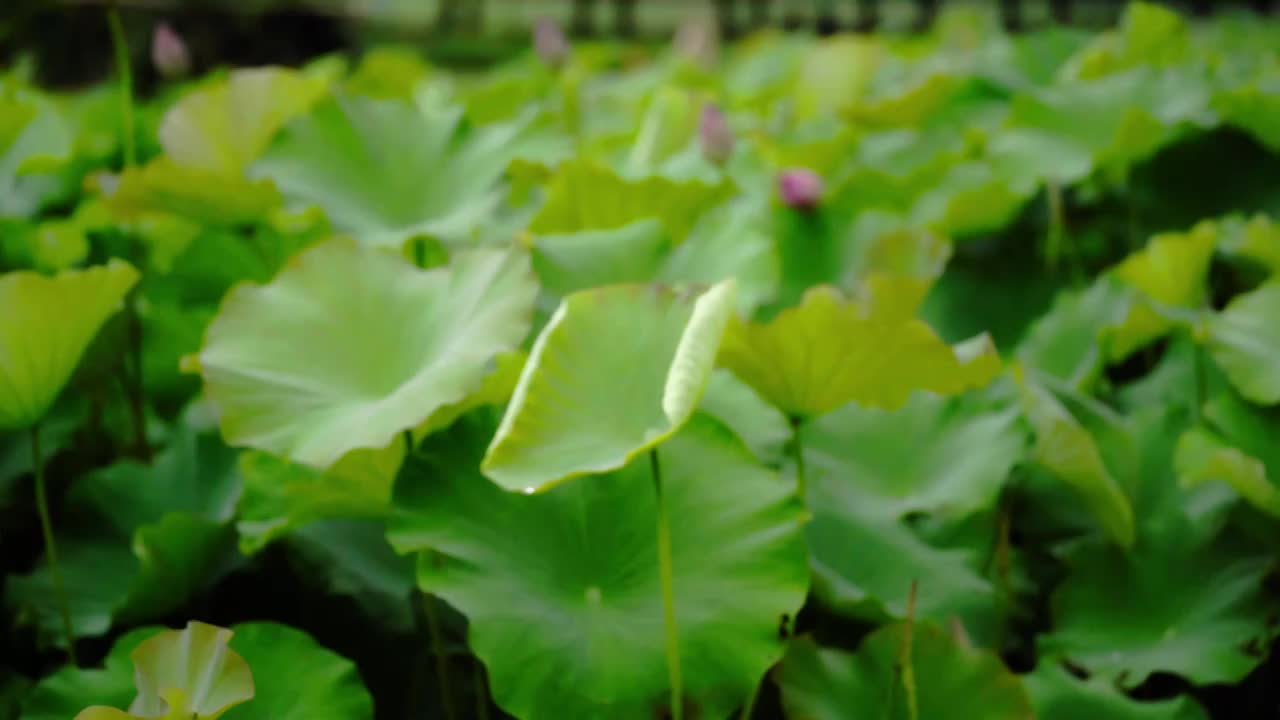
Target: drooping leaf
(951,681)
(830,351)
(1235,444)
(47,324)
(1171,270)
(349,346)
(1058,695)
(570,415)
(225,126)
(1245,342)
(1067,450)
(585,638)
(386,170)
(1068,342)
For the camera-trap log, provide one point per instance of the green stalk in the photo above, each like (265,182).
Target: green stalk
(437,649)
(668,592)
(136,393)
(121,47)
(50,547)
(797,456)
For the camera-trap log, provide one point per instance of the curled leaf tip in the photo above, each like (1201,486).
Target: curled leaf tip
(800,188)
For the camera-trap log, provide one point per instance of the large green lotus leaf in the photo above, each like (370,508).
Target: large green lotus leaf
(951,681)
(730,240)
(1245,340)
(386,170)
(349,346)
(1067,342)
(569,414)
(47,324)
(1068,451)
(865,561)
(830,351)
(36,140)
(1059,695)
(142,541)
(1235,445)
(584,195)
(280,496)
(224,126)
(192,193)
(1171,270)
(296,678)
(920,457)
(971,198)
(569,262)
(585,637)
(67,691)
(1172,604)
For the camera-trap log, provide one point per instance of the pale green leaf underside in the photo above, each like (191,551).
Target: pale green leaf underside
(349,346)
(616,371)
(46,325)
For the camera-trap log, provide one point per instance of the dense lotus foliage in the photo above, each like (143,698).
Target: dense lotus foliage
(926,377)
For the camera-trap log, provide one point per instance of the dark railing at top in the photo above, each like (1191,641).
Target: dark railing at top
(826,16)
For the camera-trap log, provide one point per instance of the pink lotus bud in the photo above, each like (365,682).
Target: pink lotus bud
(800,188)
(549,42)
(168,52)
(715,134)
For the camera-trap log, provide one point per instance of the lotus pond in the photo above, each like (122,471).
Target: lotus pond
(920,377)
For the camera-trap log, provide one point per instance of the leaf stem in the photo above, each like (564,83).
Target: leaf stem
(797,456)
(50,547)
(438,650)
(121,47)
(668,591)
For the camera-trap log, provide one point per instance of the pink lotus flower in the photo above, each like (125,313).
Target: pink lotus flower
(168,52)
(800,188)
(714,134)
(549,42)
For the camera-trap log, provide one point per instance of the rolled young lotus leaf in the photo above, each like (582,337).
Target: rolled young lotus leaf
(615,372)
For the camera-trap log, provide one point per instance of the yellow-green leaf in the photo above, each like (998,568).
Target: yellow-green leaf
(45,327)
(830,351)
